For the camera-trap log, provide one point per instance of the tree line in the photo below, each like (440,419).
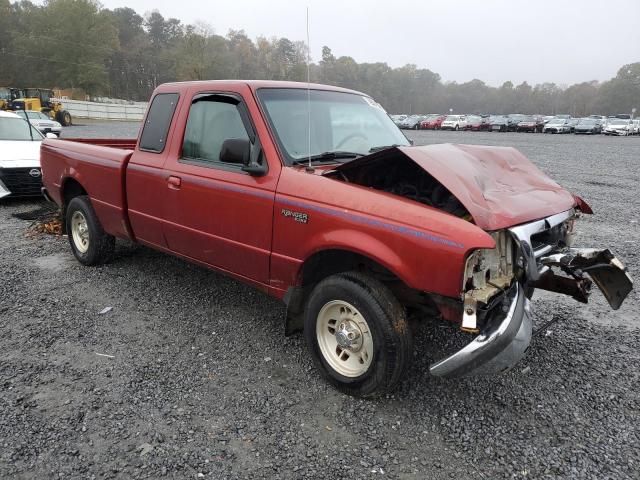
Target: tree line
(121,54)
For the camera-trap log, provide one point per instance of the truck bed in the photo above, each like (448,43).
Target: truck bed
(99,166)
(122,143)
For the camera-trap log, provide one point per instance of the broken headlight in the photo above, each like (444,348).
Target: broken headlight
(489,271)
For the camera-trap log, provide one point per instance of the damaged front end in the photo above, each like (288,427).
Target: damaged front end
(499,282)
(496,188)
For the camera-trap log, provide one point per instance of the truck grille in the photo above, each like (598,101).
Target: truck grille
(542,237)
(554,237)
(20,182)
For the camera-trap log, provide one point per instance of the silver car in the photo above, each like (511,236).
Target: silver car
(43,122)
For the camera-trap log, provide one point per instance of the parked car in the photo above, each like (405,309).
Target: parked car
(412,122)
(557,125)
(513,120)
(499,123)
(531,123)
(43,122)
(619,126)
(477,123)
(20,174)
(432,122)
(589,126)
(454,122)
(349,237)
(397,119)
(572,124)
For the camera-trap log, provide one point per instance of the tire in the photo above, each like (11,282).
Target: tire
(385,342)
(90,244)
(457,128)
(64,118)
(416,127)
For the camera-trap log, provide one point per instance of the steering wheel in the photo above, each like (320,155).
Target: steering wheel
(350,137)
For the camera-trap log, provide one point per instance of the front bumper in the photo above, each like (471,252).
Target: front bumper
(621,133)
(45,130)
(499,346)
(506,333)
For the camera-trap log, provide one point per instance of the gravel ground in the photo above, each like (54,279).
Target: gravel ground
(189,374)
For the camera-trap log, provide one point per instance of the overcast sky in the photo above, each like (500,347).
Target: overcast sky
(561,41)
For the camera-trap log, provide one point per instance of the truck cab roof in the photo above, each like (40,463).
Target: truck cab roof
(253,84)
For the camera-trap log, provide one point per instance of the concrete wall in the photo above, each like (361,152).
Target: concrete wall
(105,111)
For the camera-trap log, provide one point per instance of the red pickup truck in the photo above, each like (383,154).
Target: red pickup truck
(312,194)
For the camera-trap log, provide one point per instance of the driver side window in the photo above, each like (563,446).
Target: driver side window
(212,120)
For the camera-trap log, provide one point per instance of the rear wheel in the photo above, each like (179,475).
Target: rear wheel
(357,334)
(90,244)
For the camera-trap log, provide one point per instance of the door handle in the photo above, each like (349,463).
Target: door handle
(174,182)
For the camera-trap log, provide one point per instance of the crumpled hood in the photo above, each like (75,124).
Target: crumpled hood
(498,186)
(16,154)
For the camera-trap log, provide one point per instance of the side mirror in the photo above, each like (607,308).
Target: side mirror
(238,151)
(51,135)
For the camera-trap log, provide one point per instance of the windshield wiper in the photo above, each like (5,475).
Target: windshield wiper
(383,147)
(327,157)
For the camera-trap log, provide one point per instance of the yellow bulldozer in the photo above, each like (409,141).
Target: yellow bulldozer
(8,95)
(39,99)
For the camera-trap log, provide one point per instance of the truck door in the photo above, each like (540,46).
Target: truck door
(145,179)
(214,211)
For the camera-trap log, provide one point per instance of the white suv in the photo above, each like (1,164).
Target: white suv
(454,122)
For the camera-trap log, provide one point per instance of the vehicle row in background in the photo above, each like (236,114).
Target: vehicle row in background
(591,125)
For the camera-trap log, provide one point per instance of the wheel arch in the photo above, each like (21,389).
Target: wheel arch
(69,189)
(332,260)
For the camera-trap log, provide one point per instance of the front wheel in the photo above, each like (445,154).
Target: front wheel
(457,128)
(64,117)
(357,334)
(90,244)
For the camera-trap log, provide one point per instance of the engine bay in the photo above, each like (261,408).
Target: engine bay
(401,176)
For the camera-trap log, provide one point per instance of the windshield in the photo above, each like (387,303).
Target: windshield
(617,121)
(557,121)
(587,121)
(474,119)
(497,118)
(344,122)
(17,129)
(5,94)
(36,116)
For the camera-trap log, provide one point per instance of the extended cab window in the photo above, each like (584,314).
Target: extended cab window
(212,120)
(154,134)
